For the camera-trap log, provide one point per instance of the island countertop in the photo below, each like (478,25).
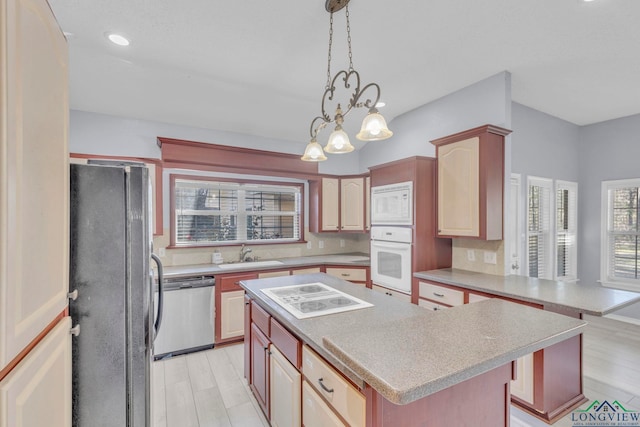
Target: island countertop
(582,298)
(406,352)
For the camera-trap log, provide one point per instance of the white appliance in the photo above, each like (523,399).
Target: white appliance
(391,257)
(392,204)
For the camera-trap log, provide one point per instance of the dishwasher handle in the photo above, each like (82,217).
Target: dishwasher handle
(158,321)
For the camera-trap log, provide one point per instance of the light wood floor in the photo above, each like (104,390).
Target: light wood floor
(208,389)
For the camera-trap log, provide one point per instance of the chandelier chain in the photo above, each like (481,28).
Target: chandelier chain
(329,55)
(348,37)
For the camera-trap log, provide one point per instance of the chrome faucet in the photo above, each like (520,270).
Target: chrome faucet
(243,253)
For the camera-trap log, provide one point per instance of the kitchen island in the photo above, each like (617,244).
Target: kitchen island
(408,365)
(551,383)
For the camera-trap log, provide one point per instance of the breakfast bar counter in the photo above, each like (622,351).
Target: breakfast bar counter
(551,383)
(406,359)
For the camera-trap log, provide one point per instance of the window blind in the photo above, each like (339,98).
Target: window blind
(209,212)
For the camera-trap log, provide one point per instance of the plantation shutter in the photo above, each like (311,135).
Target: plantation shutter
(538,229)
(566,230)
(624,233)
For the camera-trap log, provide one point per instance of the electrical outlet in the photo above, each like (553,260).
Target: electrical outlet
(309,246)
(490,257)
(321,244)
(342,243)
(471,255)
(161,252)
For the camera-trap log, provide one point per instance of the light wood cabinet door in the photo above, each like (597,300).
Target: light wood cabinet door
(458,188)
(34,171)
(391,293)
(37,392)
(232,314)
(285,382)
(352,204)
(522,386)
(330,204)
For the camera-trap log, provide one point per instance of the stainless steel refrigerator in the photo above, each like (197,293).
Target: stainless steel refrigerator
(110,268)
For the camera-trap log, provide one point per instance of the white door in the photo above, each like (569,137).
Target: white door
(285,383)
(515,231)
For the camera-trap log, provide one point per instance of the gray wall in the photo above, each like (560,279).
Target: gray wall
(543,145)
(485,102)
(608,150)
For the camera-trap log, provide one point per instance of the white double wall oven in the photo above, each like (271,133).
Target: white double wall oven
(392,236)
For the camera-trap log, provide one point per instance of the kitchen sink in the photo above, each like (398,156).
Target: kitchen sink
(250,264)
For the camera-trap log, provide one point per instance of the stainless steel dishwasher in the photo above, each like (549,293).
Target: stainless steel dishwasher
(188,316)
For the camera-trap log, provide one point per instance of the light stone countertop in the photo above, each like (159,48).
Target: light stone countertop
(348,259)
(595,300)
(406,352)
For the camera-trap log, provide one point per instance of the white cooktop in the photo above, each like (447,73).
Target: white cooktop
(313,299)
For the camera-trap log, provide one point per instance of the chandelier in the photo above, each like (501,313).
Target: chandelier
(374,126)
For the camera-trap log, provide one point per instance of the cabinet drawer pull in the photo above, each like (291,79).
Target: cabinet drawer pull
(345,274)
(324,387)
(237,283)
(438,295)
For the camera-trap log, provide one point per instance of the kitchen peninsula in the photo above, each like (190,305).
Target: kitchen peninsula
(394,363)
(551,378)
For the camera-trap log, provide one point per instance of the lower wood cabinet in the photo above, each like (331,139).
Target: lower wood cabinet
(316,413)
(37,392)
(231,315)
(260,367)
(357,275)
(285,383)
(343,397)
(522,385)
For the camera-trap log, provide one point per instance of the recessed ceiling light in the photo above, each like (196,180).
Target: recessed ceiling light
(118,39)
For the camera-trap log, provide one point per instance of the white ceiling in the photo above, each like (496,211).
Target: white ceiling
(259,67)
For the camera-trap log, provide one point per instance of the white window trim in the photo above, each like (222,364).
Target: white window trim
(605,279)
(547,183)
(571,186)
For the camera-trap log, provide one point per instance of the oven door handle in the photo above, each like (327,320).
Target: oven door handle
(391,245)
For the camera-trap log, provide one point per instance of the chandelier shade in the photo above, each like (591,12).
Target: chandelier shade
(313,152)
(374,127)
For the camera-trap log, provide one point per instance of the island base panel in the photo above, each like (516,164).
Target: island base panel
(557,382)
(482,401)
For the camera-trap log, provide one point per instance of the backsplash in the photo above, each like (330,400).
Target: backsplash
(469,254)
(332,243)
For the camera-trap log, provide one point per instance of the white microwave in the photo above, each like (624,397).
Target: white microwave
(392,204)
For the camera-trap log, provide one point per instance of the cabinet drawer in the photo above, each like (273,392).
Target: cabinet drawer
(316,413)
(429,305)
(350,274)
(231,282)
(260,318)
(309,270)
(391,293)
(288,345)
(268,274)
(441,294)
(343,396)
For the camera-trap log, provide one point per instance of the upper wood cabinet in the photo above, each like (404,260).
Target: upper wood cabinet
(338,204)
(34,171)
(470,183)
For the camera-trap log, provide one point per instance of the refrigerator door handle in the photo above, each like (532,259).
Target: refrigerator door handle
(158,321)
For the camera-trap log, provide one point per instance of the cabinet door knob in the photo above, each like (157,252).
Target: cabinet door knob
(73,295)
